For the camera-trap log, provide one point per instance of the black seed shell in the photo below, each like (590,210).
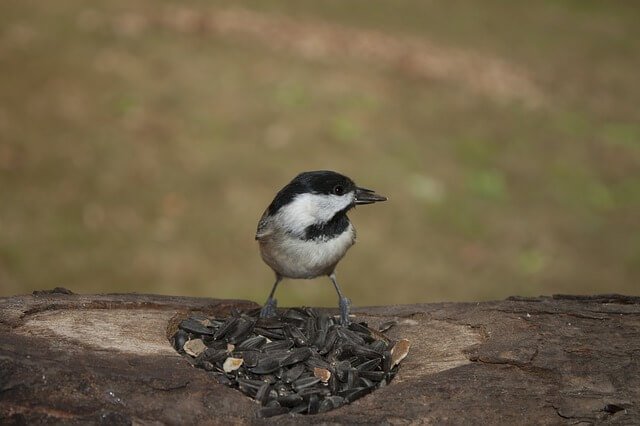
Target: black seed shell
(266,365)
(296,356)
(272,411)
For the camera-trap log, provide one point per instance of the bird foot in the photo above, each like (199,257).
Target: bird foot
(269,308)
(345,305)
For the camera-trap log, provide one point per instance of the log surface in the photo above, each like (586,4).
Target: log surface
(107,359)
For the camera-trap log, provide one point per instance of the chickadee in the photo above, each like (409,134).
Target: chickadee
(305,230)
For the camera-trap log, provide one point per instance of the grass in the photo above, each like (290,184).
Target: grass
(138,147)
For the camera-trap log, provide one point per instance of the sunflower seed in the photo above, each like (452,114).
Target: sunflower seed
(314,390)
(325,405)
(250,387)
(350,336)
(179,339)
(316,361)
(386,361)
(399,351)
(314,404)
(272,411)
(278,345)
(231,364)
(224,380)
(300,409)
(334,384)
(320,337)
(376,376)
(242,329)
(271,333)
(331,402)
(214,355)
(329,342)
(310,329)
(195,326)
(353,394)
(366,383)
(269,378)
(282,389)
(255,342)
(194,347)
(293,373)
(323,374)
(336,400)
(214,344)
(290,400)
(369,365)
(304,383)
(298,337)
(342,369)
(379,346)
(323,322)
(343,351)
(296,356)
(294,314)
(251,358)
(391,374)
(352,378)
(266,365)
(253,313)
(205,365)
(361,328)
(272,403)
(227,327)
(279,355)
(366,352)
(262,395)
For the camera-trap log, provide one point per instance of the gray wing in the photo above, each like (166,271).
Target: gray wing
(264,228)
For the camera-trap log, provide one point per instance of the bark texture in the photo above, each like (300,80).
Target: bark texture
(67,358)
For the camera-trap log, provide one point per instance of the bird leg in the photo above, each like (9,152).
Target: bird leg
(344,303)
(269,308)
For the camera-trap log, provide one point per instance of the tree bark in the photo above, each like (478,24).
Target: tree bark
(107,359)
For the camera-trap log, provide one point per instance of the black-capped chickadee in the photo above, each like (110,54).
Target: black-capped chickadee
(305,230)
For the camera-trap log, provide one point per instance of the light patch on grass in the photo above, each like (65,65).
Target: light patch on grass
(427,189)
(291,95)
(488,184)
(599,196)
(622,134)
(345,129)
(490,76)
(531,261)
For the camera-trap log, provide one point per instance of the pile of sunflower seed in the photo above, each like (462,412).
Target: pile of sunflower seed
(301,361)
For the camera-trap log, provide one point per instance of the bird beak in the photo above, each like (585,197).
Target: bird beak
(367,196)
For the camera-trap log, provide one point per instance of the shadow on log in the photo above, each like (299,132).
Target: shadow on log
(107,359)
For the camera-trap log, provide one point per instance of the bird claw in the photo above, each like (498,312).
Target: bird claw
(269,308)
(345,305)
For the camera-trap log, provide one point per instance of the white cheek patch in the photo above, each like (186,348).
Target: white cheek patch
(328,205)
(312,209)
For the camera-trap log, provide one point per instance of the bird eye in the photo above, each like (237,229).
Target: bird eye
(338,190)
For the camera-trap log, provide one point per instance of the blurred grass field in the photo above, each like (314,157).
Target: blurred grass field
(140,143)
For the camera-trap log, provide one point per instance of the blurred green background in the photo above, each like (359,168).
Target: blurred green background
(140,143)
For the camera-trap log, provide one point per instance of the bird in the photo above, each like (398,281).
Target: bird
(305,231)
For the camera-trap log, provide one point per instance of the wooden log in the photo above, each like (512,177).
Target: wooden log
(73,359)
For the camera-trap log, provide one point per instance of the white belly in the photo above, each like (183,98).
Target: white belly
(295,258)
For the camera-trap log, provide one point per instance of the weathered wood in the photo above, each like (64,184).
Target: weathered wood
(107,359)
